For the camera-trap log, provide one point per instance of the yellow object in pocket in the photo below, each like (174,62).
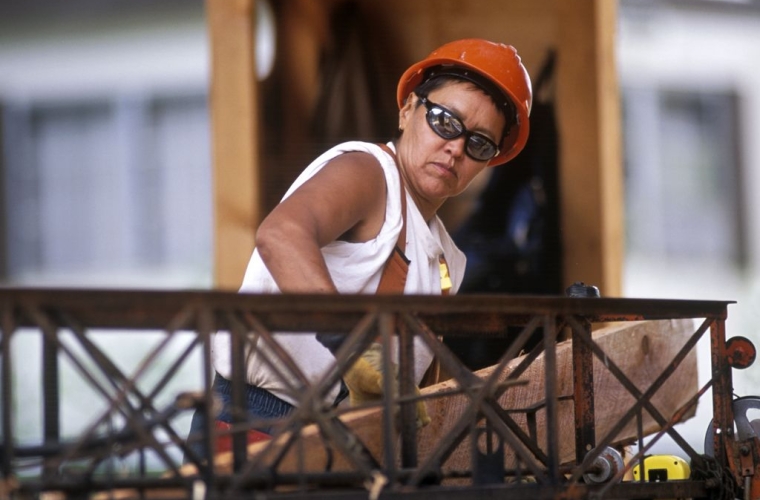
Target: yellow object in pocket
(445,277)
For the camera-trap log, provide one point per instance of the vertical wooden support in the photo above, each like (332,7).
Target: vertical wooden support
(588,112)
(234,117)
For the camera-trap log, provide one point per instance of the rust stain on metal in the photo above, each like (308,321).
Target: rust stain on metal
(84,312)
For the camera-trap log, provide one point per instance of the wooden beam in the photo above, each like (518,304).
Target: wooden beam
(642,350)
(234,124)
(588,112)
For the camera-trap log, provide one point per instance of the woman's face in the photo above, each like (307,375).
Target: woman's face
(436,168)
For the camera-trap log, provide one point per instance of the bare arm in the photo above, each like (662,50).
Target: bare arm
(344,200)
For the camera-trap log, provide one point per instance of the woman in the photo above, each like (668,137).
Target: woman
(463,108)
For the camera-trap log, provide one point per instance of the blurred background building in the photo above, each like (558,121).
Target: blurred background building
(105,144)
(692,159)
(105,158)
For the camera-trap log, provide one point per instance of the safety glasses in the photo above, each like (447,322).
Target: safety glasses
(448,126)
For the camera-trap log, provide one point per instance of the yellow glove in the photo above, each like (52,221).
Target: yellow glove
(365,382)
(422,415)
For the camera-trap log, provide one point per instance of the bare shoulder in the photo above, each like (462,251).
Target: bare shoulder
(344,200)
(354,175)
(363,165)
(359,180)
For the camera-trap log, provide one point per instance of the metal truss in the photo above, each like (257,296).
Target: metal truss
(131,421)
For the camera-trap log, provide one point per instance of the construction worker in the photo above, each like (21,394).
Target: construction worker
(361,218)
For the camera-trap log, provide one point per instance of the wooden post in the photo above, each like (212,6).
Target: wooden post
(234,123)
(588,112)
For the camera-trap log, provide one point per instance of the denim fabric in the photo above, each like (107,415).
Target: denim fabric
(260,403)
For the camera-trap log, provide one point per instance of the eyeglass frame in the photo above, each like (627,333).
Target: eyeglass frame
(468,134)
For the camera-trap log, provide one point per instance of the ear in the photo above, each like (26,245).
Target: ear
(405,113)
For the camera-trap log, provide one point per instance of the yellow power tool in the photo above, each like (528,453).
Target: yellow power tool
(663,468)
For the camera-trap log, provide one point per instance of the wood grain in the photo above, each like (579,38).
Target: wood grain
(642,350)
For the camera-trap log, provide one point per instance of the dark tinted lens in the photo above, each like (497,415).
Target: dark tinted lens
(448,126)
(480,148)
(444,123)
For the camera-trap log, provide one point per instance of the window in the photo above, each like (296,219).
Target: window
(108,193)
(683,176)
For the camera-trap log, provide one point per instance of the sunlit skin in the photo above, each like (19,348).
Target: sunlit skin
(435,169)
(346,199)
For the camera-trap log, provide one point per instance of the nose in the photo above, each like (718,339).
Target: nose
(456,146)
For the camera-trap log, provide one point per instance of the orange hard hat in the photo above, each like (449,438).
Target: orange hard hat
(497,63)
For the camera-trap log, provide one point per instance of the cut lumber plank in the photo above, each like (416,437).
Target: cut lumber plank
(642,350)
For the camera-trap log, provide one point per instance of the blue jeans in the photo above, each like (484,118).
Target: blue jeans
(260,403)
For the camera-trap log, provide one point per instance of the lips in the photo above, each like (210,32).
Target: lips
(445,169)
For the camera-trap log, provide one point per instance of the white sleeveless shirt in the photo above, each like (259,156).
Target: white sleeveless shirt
(354,268)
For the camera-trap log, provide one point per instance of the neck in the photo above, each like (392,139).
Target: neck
(426,207)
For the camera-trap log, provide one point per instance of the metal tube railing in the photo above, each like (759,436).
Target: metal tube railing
(72,463)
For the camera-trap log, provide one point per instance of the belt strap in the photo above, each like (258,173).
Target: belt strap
(396,267)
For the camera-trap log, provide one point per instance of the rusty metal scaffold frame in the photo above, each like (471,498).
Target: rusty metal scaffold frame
(255,318)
